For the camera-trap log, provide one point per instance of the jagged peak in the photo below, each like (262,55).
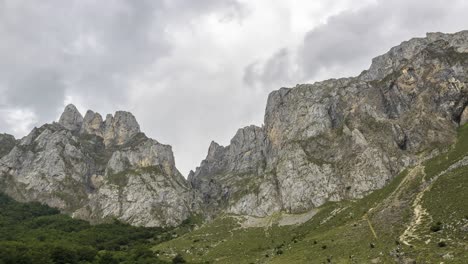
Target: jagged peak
(71,118)
(115,129)
(247,135)
(213,150)
(89,114)
(126,119)
(120,128)
(92,124)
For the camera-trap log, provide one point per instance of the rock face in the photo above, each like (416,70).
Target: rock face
(7,142)
(342,138)
(97,170)
(327,141)
(71,118)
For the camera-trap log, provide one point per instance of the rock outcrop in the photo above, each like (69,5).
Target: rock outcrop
(97,170)
(71,118)
(7,142)
(342,138)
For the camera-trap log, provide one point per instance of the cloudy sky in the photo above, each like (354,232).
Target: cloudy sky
(191,71)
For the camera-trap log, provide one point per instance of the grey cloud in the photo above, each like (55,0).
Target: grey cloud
(275,70)
(89,49)
(347,42)
(95,51)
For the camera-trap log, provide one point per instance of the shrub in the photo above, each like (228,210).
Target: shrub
(49,237)
(178,259)
(436,227)
(107,258)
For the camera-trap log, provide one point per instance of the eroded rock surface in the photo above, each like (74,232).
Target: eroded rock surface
(327,141)
(97,170)
(342,138)
(7,142)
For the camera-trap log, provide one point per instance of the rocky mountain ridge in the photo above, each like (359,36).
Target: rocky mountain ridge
(342,138)
(97,170)
(328,141)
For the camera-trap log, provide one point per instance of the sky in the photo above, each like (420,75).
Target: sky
(191,71)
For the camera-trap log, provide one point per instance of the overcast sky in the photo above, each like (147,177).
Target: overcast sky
(191,71)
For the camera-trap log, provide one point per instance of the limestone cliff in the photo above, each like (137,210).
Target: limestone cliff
(328,141)
(97,170)
(342,138)
(7,142)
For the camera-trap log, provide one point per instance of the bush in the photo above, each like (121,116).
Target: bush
(442,244)
(436,227)
(107,258)
(36,233)
(63,255)
(178,259)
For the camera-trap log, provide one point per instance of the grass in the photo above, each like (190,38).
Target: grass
(455,153)
(224,241)
(342,232)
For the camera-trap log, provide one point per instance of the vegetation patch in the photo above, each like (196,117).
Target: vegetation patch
(36,233)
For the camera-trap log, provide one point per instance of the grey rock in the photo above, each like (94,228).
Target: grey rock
(71,118)
(107,170)
(328,141)
(93,124)
(342,138)
(115,130)
(120,128)
(7,142)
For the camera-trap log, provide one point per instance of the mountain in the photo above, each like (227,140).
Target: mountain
(333,141)
(421,216)
(343,138)
(97,170)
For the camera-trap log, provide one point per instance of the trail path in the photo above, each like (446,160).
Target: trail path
(419,213)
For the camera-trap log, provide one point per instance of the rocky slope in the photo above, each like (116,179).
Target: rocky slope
(96,169)
(419,217)
(342,138)
(7,142)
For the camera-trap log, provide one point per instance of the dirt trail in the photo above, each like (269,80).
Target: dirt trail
(419,213)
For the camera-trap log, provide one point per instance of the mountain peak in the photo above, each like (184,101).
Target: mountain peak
(120,128)
(71,118)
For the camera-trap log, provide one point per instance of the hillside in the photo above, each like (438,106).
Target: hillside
(419,217)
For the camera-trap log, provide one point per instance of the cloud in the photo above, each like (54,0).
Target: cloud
(346,43)
(276,69)
(190,71)
(19,119)
(90,50)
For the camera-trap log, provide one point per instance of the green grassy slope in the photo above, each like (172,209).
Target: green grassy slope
(422,216)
